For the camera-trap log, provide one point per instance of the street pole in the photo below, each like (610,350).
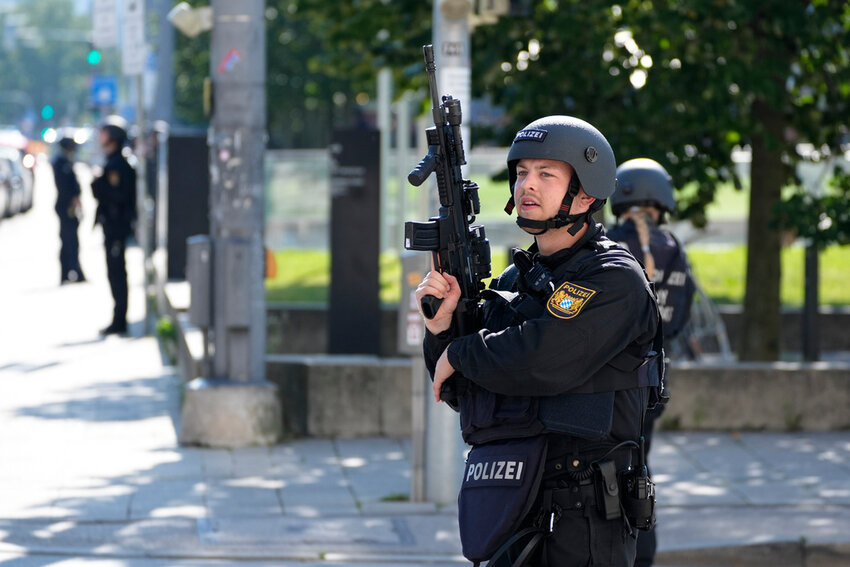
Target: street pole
(164,98)
(443,446)
(236,406)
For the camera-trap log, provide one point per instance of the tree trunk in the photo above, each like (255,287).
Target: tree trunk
(761,331)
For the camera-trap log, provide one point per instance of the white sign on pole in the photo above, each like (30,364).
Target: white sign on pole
(133,53)
(105,24)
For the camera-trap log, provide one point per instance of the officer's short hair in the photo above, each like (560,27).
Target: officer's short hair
(68,144)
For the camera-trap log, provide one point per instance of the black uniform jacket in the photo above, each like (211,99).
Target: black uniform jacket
(115,191)
(600,304)
(67,186)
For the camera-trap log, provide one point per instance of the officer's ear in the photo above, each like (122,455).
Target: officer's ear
(583,202)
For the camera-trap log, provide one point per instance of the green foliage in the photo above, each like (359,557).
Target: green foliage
(165,329)
(191,67)
(322,59)
(704,64)
(45,62)
(823,220)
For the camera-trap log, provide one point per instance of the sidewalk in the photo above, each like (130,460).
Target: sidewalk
(91,472)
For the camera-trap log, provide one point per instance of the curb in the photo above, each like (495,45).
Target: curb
(785,554)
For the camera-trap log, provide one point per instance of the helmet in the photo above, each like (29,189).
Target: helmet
(573,141)
(116,127)
(643,181)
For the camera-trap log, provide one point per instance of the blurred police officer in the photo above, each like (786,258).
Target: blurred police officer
(643,198)
(559,374)
(68,209)
(115,191)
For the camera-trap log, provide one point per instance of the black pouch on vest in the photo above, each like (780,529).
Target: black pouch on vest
(589,416)
(486,417)
(500,484)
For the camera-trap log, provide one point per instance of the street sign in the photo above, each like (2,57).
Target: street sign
(105,24)
(104,91)
(133,54)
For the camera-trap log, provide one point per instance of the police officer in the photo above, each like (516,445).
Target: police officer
(643,198)
(560,370)
(67,207)
(115,191)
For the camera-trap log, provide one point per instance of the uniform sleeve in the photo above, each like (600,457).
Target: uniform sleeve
(564,347)
(433,347)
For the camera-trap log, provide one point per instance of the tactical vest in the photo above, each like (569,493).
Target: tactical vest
(586,412)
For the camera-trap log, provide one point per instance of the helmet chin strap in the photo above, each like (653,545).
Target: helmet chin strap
(560,220)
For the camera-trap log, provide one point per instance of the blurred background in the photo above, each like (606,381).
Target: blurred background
(745,102)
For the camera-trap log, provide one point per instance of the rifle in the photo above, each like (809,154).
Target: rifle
(458,247)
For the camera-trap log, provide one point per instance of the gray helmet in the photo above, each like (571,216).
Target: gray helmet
(571,140)
(643,181)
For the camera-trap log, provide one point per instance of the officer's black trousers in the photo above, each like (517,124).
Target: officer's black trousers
(581,536)
(69,252)
(116,270)
(648,541)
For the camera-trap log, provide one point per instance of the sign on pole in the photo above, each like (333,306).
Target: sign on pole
(105,24)
(104,91)
(133,53)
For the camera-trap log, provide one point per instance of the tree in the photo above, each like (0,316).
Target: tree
(322,58)
(685,82)
(45,47)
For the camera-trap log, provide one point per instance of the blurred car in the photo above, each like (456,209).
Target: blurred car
(18,154)
(18,181)
(5,188)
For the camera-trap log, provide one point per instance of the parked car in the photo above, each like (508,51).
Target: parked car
(18,179)
(6,190)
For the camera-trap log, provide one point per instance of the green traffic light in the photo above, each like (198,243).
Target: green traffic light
(47,112)
(93,57)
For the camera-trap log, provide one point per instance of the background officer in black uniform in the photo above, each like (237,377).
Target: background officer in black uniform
(643,198)
(115,191)
(565,332)
(68,209)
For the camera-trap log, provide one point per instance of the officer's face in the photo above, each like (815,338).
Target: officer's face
(104,139)
(540,187)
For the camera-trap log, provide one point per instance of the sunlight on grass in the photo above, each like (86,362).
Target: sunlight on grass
(304,275)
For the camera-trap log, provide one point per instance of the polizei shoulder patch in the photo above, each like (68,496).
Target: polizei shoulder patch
(568,300)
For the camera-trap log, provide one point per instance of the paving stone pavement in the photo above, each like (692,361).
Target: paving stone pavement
(91,471)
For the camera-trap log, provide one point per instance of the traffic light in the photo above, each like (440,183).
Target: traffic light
(93,56)
(47,112)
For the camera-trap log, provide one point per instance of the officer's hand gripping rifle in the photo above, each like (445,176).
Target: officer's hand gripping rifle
(458,247)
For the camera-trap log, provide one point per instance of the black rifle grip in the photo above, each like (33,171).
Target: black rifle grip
(430,306)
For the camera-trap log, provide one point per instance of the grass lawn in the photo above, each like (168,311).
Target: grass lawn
(303,275)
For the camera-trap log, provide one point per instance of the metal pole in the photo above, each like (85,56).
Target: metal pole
(811,335)
(143,204)
(235,406)
(444,445)
(237,141)
(164,99)
(389,222)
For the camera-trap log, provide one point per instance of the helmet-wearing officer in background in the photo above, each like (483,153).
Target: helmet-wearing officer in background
(643,198)
(68,209)
(115,191)
(559,376)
